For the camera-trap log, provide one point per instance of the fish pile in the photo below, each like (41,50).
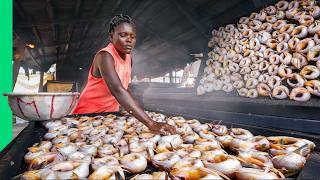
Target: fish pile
(108,147)
(273,53)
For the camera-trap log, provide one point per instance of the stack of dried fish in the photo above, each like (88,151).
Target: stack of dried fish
(275,53)
(103,147)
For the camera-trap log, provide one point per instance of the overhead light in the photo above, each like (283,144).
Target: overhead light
(31,45)
(80,68)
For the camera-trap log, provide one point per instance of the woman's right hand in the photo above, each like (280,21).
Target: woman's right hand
(162,129)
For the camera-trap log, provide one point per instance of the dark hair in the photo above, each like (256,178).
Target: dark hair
(118,19)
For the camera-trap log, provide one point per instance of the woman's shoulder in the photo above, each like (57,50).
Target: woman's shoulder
(104,55)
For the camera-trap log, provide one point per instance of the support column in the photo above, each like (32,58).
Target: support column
(41,81)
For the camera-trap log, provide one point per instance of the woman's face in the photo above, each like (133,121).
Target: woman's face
(124,38)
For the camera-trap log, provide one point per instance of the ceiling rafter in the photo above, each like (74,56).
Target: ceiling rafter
(55,27)
(71,27)
(167,42)
(163,40)
(63,43)
(39,39)
(98,7)
(34,59)
(139,7)
(23,15)
(96,44)
(52,16)
(190,13)
(73,52)
(103,30)
(23,38)
(61,21)
(218,18)
(19,9)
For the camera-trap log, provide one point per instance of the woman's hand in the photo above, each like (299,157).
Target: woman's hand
(162,128)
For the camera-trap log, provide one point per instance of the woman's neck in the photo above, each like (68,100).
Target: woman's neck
(122,55)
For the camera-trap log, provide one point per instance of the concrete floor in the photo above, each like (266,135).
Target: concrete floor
(17,128)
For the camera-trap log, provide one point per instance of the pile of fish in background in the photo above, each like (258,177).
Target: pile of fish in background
(274,53)
(119,147)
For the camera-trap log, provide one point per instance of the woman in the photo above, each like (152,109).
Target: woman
(109,78)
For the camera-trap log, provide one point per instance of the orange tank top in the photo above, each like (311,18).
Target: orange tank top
(96,96)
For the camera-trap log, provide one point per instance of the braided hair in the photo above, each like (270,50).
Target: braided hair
(118,19)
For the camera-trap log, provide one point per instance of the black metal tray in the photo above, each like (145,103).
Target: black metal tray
(12,156)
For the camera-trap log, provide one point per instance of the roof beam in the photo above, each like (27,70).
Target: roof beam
(190,13)
(77,8)
(88,26)
(68,20)
(55,26)
(70,34)
(34,59)
(62,43)
(84,34)
(71,27)
(150,31)
(102,33)
(18,8)
(257,3)
(39,39)
(93,47)
(23,15)
(23,39)
(74,53)
(61,21)
(116,6)
(139,7)
(165,42)
(106,22)
(220,19)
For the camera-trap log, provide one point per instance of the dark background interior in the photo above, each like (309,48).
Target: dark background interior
(69,32)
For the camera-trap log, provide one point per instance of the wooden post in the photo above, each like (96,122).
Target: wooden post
(41,81)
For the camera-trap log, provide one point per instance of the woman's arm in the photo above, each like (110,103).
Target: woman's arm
(105,64)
